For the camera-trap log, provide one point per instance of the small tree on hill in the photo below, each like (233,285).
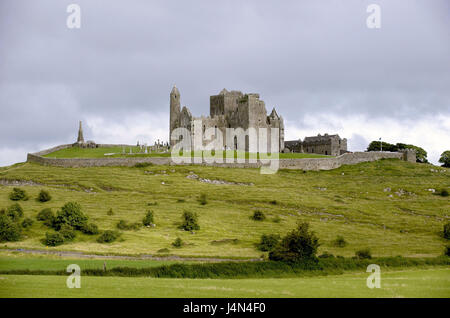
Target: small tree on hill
(445,159)
(298,245)
(190,221)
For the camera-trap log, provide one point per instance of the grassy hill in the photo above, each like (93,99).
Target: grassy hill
(350,201)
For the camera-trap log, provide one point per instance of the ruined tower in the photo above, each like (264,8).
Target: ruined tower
(174,111)
(80,138)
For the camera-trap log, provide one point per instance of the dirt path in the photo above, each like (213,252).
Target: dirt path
(125,257)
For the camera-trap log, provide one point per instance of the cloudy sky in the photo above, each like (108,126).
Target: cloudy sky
(316,61)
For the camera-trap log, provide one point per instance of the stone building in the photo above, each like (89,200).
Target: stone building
(228,110)
(331,145)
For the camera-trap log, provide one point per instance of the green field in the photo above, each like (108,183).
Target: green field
(118,152)
(434,282)
(349,201)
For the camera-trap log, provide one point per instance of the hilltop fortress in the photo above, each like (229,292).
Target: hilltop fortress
(229,110)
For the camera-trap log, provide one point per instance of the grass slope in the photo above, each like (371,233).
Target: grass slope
(348,201)
(410,283)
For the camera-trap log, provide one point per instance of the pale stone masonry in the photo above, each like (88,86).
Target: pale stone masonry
(331,145)
(228,110)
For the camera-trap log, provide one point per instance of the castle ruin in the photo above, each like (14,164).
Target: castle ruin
(331,145)
(228,110)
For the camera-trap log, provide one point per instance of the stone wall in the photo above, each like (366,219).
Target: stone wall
(301,164)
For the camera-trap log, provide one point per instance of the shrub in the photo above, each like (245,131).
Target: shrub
(444,193)
(143,164)
(297,246)
(18,194)
(9,230)
(148,219)
(340,241)
(123,225)
(178,242)
(274,202)
(72,215)
(108,237)
(258,216)
(447,251)
(276,219)
(67,232)
(363,254)
(110,212)
(44,196)
(14,211)
(47,216)
(447,230)
(190,221)
(53,239)
(268,242)
(202,199)
(90,229)
(163,250)
(27,222)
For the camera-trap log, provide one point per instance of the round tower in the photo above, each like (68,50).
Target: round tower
(175,109)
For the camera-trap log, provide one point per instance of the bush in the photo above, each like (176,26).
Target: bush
(258,216)
(90,229)
(108,237)
(363,254)
(27,222)
(190,222)
(9,230)
(447,230)
(340,241)
(202,199)
(47,216)
(53,239)
(18,194)
(72,215)
(143,164)
(178,242)
(447,251)
(276,219)
(67,232)
(297,246)
(148,219)
(445,159)
(44,196)
(110,212)
(14,211)
(444,193)
(274,202)
(268,242)
(326,255)
(123,225)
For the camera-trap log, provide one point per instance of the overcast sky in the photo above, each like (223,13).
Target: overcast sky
(316,61)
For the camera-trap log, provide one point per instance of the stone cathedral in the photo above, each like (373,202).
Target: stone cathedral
(228,110)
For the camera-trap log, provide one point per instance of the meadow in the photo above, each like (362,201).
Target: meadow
(432,282)
(385,206)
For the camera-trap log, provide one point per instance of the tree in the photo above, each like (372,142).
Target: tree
(445,159)
(298,245)
(72,215)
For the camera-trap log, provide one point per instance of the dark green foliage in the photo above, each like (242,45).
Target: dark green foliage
(110,212)
(190,221)
(297,246)
(47,216)
(447,230)
(27,222)
(18,194)
(143,164)
(274,202)
(363,254)
(9,231)
(202,199)
(67,232)
(445,159)
(276,219)
(178,242)
(326,255)
(148,219)
(44,196)
(90,229)
(447,251)
(124,225)
(340,241)
(108,237)
(258,216)
(14,211)
(268,242)
(72,215)
(53,239)
(421,154)
(443,193)
(163,251)
(181,200)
